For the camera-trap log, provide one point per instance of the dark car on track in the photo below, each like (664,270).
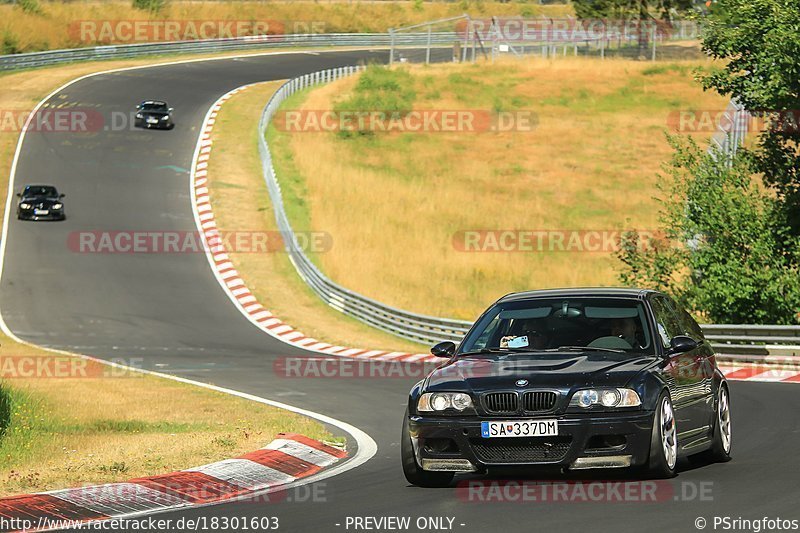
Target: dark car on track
(40,202)
(154,114)
(570,379)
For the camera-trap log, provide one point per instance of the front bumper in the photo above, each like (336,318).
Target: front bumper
(594,440)
(29,215)
(160,125)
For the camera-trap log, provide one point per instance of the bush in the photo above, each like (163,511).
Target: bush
(379,89)
(9,44)
(724,250)
(5,409)
(30,6)
(153,6)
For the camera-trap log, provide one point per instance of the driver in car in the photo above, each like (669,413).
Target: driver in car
(626,329)
(529,334)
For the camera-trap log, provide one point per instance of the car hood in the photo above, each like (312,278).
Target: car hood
(40,200)
(154,113)
(546,370)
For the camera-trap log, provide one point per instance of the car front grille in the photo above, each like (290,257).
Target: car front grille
(522,450)
(539,401)
(501,402)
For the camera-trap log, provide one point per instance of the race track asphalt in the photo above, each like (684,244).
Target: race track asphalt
(167,312)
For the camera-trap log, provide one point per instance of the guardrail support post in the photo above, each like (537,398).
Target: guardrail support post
(391,47)
(428,48)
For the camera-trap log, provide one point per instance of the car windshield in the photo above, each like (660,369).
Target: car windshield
(600,324)
(40,190)
(154,106)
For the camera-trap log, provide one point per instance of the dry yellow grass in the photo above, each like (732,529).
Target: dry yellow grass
(113,425)
(51,27)
(393,202)
(234,167)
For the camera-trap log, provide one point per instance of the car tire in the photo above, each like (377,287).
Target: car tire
(663,440)
(720,451)
(413,472)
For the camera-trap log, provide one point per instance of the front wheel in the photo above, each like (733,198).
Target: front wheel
(720,451)
(663,440)
(413,472)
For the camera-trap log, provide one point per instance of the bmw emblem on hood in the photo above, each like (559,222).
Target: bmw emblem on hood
(521,382)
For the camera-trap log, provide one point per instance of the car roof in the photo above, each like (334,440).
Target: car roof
(157,102)
(627,292)
(29,185)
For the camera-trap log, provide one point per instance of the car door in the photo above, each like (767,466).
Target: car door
(705,359)
(683,372)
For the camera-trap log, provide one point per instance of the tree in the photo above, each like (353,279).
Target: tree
(645,13)
(724,253)
(759,42)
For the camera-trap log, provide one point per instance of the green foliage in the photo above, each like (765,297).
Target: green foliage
(5,409)
(382,90)
(9,44)
(153,6)
(30,6)
(760,43)
(723,253)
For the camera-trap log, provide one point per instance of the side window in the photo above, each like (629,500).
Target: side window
(667,320)
(688,325)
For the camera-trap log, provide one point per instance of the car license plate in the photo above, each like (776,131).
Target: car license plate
(152,121)
(519,428)
(41,211)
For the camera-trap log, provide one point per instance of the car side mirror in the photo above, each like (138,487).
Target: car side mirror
(444,349)
(19,195)
(171,109)
(682,344)
(62,195)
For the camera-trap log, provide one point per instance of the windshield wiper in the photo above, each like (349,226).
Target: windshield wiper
(587,349)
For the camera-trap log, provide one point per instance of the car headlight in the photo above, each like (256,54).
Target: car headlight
(605,397)
(25,206)
(57,206)
(165,117)
(139,115)
(442,401)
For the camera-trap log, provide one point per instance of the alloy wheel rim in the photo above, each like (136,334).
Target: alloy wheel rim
(669,441)
(724,420)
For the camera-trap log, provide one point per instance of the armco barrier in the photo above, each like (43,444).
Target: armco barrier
(421,328)
(735,342)
(203,46)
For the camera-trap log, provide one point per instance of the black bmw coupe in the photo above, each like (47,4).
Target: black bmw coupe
(571,379)
(40,202)
(154,114)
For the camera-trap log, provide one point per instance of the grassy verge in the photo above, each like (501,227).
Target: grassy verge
(56,24)
(395,202)
(234,170)
(70,423)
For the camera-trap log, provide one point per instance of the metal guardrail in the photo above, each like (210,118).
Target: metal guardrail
(201,46)
(748,343)
(421,328)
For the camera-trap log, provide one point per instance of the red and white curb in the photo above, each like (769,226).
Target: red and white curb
(285,460)
(761,372)
(248,304)
(229,277)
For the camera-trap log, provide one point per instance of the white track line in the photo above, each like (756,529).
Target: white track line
(366,446)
